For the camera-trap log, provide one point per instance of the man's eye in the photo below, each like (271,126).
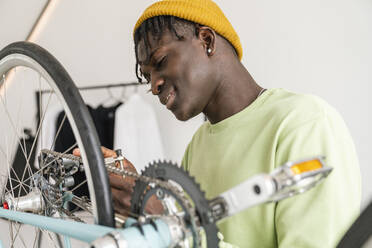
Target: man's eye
(161,62)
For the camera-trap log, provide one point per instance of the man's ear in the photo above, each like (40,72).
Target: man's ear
(208,38)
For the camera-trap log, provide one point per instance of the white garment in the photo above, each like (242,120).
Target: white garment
(137,133)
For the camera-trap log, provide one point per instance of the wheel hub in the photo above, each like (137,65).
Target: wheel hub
(32,202)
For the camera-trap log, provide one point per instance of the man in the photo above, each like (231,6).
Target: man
(190,54)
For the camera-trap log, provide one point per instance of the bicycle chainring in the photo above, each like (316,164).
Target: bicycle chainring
(177,182)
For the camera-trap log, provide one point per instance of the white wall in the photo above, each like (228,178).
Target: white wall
(17,18)
(319,47)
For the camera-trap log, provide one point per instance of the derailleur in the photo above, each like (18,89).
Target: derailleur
(59,169)
(48,185)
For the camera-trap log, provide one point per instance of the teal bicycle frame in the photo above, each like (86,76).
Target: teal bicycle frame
(90,232)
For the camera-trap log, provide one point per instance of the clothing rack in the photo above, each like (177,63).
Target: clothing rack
(95,87)
(39,93)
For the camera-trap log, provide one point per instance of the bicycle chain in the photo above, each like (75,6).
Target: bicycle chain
(124,172)
(71,215)
(62,155)
(163,184)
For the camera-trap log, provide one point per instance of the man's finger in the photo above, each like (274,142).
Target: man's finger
(129,166)
(108,152)
(76,152)
(118,182)
(121,200)
(105,152)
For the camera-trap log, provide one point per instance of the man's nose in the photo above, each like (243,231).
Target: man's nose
(157,87)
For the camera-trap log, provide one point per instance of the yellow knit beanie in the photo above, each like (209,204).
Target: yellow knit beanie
(204,12)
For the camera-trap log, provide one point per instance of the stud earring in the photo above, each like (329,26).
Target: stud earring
(209,51)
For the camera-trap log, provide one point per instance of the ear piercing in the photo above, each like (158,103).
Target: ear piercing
(209,51)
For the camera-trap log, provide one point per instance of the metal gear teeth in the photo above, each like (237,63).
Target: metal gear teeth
(164,162)
(143,170)
(175,173)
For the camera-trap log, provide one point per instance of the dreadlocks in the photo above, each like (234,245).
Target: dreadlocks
(156,26)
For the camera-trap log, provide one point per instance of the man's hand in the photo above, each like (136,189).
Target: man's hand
(122,188)
(105,151)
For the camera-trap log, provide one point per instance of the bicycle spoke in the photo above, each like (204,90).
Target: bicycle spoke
(32,147)
(18,111)
(21,238)
(79,185)
(11,233)
(37,133)
(57,133)
(19,227)
(8,165)
(56,235)
(40,239)
(37,236)
(58,238)
(14,129)
(76,187)
(23,148)
(11,167)
(2,84)
(3,182)
(40,111)
(17,124)
(18,181)
(47,234)
(18,115)
(50,237)
(16,187)
(5,87)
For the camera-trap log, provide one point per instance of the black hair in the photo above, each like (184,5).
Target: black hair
(156,26)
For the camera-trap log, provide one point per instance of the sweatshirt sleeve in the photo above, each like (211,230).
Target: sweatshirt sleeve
(320,216)
(185,159)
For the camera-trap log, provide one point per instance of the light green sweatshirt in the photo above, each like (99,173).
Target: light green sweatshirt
(277,127)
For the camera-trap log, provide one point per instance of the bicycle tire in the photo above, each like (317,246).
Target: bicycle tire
(360,232)
(21,54)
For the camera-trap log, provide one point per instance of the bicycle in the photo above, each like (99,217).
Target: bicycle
(41,199)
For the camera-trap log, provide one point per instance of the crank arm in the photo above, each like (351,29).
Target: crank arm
(286,181)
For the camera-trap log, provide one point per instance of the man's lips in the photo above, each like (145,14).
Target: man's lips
(168,96)
(169,99)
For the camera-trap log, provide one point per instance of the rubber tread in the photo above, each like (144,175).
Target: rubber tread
(360,232)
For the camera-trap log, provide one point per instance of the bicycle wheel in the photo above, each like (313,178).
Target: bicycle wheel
(28,171)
